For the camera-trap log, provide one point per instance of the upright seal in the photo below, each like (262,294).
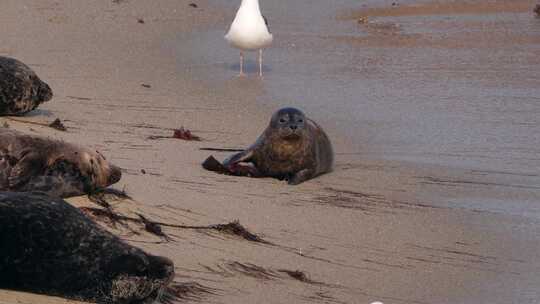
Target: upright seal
(32,163)
(21,90)
(293,147)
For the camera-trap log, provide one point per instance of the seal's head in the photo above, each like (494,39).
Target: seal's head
(74,172)
(100,172)
(138,277)
(289,124)
(44,92)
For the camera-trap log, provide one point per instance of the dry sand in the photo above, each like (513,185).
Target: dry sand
(374,229)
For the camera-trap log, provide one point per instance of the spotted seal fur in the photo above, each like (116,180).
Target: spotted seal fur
(33,163)
(50,247)
(21,90)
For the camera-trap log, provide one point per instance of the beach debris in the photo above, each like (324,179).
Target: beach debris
(182,133)
(193,5)
(222,149)
(297,275)
(362,20)
(185,134)
(238,169)
(58,125)
(140,20)
(112,218)
(143,171)
(153,227)
(101,196)
(78,98)
(5,125)
(235,228)
(186,291)
(536,10)
(252,270)
(144,84)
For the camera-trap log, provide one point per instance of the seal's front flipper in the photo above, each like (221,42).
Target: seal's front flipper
(235,168)
(30,164)
(300,176)
(242,157)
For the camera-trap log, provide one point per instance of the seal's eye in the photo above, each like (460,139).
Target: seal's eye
(300,120)
(282,120)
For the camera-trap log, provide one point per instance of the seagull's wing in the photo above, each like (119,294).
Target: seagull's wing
(266,22)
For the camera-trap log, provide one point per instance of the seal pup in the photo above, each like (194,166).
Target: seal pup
(50,247)
(293,147)
(32,163)
(21,90)
(249,31)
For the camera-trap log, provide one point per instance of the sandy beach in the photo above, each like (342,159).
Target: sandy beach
(433,110)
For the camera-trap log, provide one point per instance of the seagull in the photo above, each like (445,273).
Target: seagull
(249,31)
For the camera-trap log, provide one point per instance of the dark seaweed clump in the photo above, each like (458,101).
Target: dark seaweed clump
(237,229)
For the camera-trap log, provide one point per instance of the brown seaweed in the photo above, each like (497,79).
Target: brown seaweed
(186,291)
(182,133)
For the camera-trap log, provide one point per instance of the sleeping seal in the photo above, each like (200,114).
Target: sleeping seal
(293,147)
(50,247)
(21,90)
(31,163)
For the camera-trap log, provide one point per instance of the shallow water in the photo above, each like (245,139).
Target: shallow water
(460,90)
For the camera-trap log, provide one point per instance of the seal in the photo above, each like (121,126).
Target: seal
(32,163)
(21,90)
(293,147)
(50,247)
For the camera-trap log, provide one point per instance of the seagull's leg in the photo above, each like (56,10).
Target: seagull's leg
(260,62)
(241,63)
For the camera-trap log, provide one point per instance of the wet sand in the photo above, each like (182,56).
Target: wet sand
(432,110)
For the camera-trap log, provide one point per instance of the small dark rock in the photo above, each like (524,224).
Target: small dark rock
(140,20)
(193,5)
(143,171)
(146,85)
(58,125)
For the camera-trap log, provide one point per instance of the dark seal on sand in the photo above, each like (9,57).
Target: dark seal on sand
(50,247)
(31,163)
(21,90)
(293,147)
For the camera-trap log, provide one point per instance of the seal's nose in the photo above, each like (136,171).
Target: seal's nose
(114,175)
(293,127)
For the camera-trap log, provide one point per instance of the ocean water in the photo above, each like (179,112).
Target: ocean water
(461,91)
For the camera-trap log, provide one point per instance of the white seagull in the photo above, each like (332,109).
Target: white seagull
(249,31)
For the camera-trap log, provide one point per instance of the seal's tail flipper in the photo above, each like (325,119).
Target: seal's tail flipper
(212,164)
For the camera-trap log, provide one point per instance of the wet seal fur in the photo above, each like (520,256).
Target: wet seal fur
(32,163)
(293,147)
(50,247)
(21,90)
